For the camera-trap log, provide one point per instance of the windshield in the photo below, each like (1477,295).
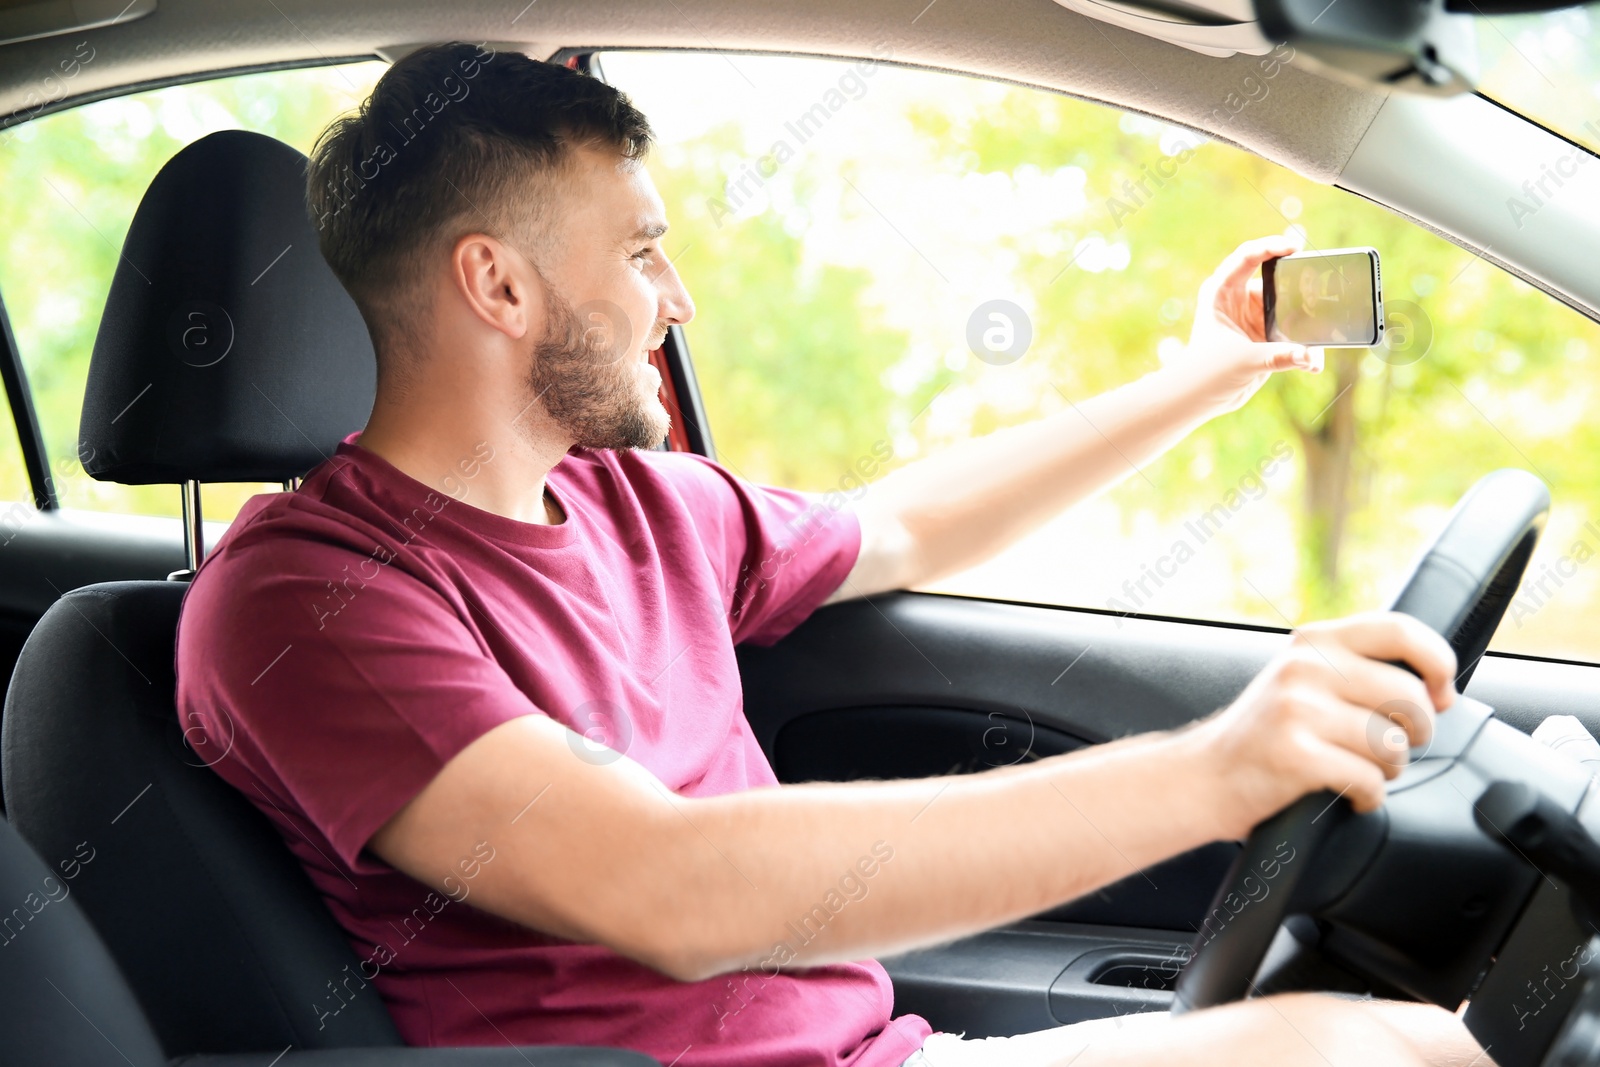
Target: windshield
(1546,67)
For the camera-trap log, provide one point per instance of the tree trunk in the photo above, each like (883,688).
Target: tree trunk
(1329,447)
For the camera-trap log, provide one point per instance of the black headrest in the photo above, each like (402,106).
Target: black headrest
(228,351)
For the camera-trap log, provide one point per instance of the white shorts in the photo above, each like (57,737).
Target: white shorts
(1039,1049)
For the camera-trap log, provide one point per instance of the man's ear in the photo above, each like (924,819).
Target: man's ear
(498,284)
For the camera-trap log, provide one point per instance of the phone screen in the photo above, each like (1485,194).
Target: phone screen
(1323,298)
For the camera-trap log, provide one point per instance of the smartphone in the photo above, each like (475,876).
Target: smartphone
(1324,298)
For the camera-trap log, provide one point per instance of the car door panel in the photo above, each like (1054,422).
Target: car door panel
(1071,675)
(1036,975)
(1092,676)
(879,689)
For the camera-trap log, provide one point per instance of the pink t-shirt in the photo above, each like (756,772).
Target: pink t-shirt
(344,641)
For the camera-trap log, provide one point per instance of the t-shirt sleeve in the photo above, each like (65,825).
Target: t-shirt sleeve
(345,682)
(778,552)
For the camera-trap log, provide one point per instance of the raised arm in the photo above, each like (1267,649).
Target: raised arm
(955,509)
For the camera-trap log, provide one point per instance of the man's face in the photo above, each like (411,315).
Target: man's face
(1308,288)
(612,295)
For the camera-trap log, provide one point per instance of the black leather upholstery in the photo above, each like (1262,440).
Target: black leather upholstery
(211,918)
(228,352)
(63,1000)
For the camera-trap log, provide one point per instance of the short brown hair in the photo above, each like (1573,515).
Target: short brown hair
(453,139)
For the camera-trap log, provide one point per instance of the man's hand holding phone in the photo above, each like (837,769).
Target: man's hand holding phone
(1228,356)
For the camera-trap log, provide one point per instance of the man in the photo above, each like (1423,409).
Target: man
(1320,314)
(479,668)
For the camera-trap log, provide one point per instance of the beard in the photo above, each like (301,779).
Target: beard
(582,370)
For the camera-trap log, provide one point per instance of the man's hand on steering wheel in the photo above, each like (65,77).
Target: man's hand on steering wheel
(1324,714)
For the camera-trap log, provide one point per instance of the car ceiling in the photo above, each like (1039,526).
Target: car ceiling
(1303,119)
(1306,122)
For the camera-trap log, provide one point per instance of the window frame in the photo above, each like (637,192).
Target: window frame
(30,437)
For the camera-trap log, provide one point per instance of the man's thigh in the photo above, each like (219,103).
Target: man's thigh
(1282,1031)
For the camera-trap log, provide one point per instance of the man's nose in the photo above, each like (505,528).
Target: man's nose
(676,306)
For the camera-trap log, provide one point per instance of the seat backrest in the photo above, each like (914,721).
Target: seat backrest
(212,919)
(65,1000)
(247,362)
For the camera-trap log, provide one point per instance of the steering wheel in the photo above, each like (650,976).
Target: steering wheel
(1461,586)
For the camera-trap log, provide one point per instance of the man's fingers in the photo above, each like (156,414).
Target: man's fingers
(1391,635)
(1288,357)
(1358,779)
(1375,685)
(1244,260)
(1397,697)
(1355,728)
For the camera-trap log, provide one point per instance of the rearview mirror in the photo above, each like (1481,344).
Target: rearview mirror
(1425,46)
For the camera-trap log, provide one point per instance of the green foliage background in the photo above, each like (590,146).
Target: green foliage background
(73,180)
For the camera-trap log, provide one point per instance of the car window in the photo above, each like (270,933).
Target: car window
(73,180)
(887,261)
(1545,66)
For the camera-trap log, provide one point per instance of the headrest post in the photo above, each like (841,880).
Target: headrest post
(194,534)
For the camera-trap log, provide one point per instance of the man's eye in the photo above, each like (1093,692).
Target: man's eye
(644,255)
